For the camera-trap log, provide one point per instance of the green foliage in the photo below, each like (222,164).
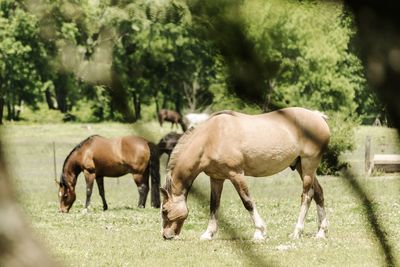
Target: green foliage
(342,141)
(41,114)
(102,60)
(306,45)
(22,58)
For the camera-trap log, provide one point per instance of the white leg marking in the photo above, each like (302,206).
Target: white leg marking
(259,234)
(323,222)
(211,229)
(298,230)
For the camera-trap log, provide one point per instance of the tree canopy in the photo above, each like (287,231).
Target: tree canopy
(118,56)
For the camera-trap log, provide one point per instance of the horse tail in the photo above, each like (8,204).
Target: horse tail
(323,115)
(154,166)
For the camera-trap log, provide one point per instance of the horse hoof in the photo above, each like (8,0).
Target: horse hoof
(298,231)
(295,235)
(320,234)
(258,237)
(85,211)
(206,236)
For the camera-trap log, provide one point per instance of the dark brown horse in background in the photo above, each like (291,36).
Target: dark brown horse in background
(167,143)
(98,156)
(172,116)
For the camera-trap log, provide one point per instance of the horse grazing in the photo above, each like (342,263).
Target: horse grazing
(231,145)
(167,143)
(195,119)
(97,156)
(172,116)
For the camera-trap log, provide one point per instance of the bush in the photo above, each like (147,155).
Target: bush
(342,140)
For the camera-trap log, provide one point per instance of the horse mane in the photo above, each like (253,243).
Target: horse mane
(178,148)
(227,112)
(181,144)
(89,139)
(186,135)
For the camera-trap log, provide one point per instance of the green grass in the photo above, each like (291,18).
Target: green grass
(127,236)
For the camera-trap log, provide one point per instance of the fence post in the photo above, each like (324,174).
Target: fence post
(367,155)
(54,160)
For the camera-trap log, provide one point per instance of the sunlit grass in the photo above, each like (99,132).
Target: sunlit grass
(127,236)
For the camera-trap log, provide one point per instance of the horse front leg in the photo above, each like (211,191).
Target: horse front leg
(243,191)
(216,190)
(100,185)
(89,177)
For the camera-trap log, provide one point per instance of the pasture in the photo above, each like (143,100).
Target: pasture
(128,236)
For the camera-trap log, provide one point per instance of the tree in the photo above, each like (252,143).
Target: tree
(22,59)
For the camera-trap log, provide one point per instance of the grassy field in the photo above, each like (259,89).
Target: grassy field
(127,236)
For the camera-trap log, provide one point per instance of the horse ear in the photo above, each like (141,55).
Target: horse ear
(164,193)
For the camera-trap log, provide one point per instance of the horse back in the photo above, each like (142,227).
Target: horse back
(264,144)
(117,156)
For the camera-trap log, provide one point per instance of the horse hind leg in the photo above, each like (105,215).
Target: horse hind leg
(319,201)
(142,182)
(243,191)
(307,175)
(100,185)
(216,190)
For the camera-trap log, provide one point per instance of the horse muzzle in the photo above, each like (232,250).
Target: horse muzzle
(168,234)
(63,210)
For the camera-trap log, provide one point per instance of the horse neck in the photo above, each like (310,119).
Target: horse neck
(181,181)
(71,169)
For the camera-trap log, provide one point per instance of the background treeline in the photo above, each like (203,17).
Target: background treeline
(78,55)
(95,60)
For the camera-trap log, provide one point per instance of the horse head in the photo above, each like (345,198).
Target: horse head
(174,212)
(66,195)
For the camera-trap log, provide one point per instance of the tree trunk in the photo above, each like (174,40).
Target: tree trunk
(61,100)
(178,103)
(61,92)
(19,109)
(137,106)
(1,109)
(10,110)
(49,99)
(157,105)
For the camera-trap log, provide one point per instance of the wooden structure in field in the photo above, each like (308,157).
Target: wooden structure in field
(381,162)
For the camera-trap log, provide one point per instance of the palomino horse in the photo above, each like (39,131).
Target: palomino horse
(231,145)
(97,157)
(171,116)
(167,143)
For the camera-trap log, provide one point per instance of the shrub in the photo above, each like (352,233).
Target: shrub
(342,140)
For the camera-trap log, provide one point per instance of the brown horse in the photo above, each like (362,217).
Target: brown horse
(172,116)
(231,145)
(97,157)
(167,143)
